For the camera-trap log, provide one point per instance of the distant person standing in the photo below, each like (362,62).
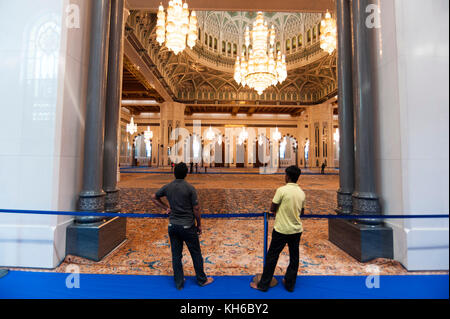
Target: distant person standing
(288,205)
(191,164)
(322,171)
(184,224)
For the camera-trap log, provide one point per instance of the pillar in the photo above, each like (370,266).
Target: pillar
(345,100)
(113,103)
(365,239)
(364,197)
(92,196)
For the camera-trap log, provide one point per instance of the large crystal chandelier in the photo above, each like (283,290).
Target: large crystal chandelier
(259,68)
(132,128)
(173,28)
(328,34)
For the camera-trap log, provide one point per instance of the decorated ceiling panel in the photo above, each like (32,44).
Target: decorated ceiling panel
(204,75)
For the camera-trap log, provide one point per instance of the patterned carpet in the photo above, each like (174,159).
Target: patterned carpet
(229,246)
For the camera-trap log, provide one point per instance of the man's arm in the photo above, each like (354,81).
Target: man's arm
(158,202)
(274,208)
(198,218)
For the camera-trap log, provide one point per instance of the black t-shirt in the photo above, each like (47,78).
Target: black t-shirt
(182,198)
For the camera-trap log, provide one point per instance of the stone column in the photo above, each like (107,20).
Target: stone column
(345,100)
(113,103)
(92,197)
(365,199)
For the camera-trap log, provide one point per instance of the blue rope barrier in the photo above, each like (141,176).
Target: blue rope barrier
(127,215)
(249,215)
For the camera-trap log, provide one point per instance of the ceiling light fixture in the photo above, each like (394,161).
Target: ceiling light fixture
(148,135)
(259,68)
(174,27)
(328,34)
(132,128)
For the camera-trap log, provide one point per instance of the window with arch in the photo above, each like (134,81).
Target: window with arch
(215,44)
(234,49)
(229,48)
(288,45)
(210,41)
(315,33)
(199,34)
(308,35)
(300,40)
(294,43)
(278,46)
(244,49)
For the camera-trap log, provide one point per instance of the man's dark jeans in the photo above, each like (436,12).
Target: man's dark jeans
(277,245)
(178,234)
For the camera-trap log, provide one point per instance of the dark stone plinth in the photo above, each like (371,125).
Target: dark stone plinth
(94,241)
(363,242)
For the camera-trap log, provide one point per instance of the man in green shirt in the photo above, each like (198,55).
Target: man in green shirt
(287,205)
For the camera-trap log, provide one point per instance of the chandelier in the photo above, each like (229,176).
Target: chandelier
(259,68)
(148,135)
(210,134)
(276,135)
(132,128)
(328,34)
(173,28)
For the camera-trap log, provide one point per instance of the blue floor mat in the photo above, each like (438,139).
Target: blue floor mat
(29,285)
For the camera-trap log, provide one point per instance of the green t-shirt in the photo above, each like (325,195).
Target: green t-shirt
(291,199)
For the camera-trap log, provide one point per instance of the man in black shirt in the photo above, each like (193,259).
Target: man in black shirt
(184,224)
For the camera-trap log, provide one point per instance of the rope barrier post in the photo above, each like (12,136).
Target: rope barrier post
(266,227)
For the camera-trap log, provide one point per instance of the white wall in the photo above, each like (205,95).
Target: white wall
(412,115)
(43,66)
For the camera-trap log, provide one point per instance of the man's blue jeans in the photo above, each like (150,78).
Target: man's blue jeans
(179,235)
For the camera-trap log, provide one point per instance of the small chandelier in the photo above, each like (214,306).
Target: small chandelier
(276,135)
(210,134)
(259,68)
(148,135)
(328,34)
(132,128)
(173,28)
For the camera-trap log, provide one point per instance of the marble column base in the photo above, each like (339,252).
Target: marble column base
(366,204)
(362,242)
(95,240)
(345,203)
(112,201)
(90,202)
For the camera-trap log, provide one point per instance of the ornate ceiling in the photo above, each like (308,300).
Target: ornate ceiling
(203,76)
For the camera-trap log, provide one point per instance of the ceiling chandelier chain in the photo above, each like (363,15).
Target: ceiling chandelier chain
(177,27)
(258,67)
(328,34)
(131,127)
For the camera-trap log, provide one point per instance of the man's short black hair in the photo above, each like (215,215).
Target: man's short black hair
(180,170)
(293,172)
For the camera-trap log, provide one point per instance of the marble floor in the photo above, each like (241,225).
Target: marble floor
(229,246)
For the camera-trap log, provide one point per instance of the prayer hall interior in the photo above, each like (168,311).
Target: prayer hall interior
(114,93)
